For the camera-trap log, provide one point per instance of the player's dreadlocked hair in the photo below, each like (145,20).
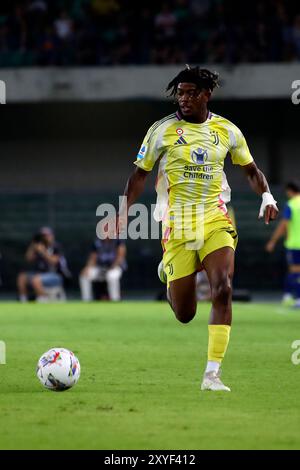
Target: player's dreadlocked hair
(203,78)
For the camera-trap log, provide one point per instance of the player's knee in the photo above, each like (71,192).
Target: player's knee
(185,315)
(222,291)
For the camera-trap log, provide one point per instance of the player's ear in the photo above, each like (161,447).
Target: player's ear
(206,95)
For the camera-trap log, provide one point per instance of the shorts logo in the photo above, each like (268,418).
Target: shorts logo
(142,152)
(199,156)
(171,270)
(179,131)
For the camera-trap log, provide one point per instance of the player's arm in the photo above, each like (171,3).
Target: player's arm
(146,158)
(240,155)
(280,231)
(260,186)
(133,189)
(148,155)
(135,185)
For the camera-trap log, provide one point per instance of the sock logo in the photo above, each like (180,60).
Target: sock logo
(171,269)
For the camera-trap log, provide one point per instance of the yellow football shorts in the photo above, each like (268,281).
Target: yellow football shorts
(182,257)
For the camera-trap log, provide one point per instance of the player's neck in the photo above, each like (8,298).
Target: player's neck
(198,118)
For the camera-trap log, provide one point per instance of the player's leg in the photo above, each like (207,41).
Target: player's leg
(182,297)
(219,266)
(180,266)
(86,278)
(113,277)
(22,286)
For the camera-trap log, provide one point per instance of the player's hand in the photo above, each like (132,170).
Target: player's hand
(271,213)
(268,209)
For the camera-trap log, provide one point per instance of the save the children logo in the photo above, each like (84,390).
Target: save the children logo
(199,156)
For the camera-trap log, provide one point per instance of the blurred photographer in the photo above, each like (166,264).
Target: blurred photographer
(46,267)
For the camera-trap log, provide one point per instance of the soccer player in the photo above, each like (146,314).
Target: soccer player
(289,227)
(191,146)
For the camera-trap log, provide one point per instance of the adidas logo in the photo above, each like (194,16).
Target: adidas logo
(181,141)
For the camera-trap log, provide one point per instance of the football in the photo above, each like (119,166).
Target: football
(58,369)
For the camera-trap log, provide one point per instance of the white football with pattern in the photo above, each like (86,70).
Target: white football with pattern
(58,369)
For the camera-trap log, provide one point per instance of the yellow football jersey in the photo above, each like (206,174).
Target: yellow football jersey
(191,160)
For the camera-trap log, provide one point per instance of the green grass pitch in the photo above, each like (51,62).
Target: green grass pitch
(140,376)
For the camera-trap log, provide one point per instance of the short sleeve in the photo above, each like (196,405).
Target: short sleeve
(151,149)
(239,151)
(287,213)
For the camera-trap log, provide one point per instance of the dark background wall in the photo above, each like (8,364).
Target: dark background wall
(95,143)
(60,161)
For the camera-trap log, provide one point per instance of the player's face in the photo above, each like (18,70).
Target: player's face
(190,98)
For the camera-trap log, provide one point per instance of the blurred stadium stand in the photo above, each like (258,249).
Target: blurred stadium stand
(69,133)
(110,32)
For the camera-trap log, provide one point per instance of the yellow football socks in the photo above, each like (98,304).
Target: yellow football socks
(218,339)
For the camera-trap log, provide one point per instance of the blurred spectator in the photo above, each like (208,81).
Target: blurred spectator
(63,26)
(106,32)
(106,262)
(46,268)
(296,36)
(165,22)
(289,228)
